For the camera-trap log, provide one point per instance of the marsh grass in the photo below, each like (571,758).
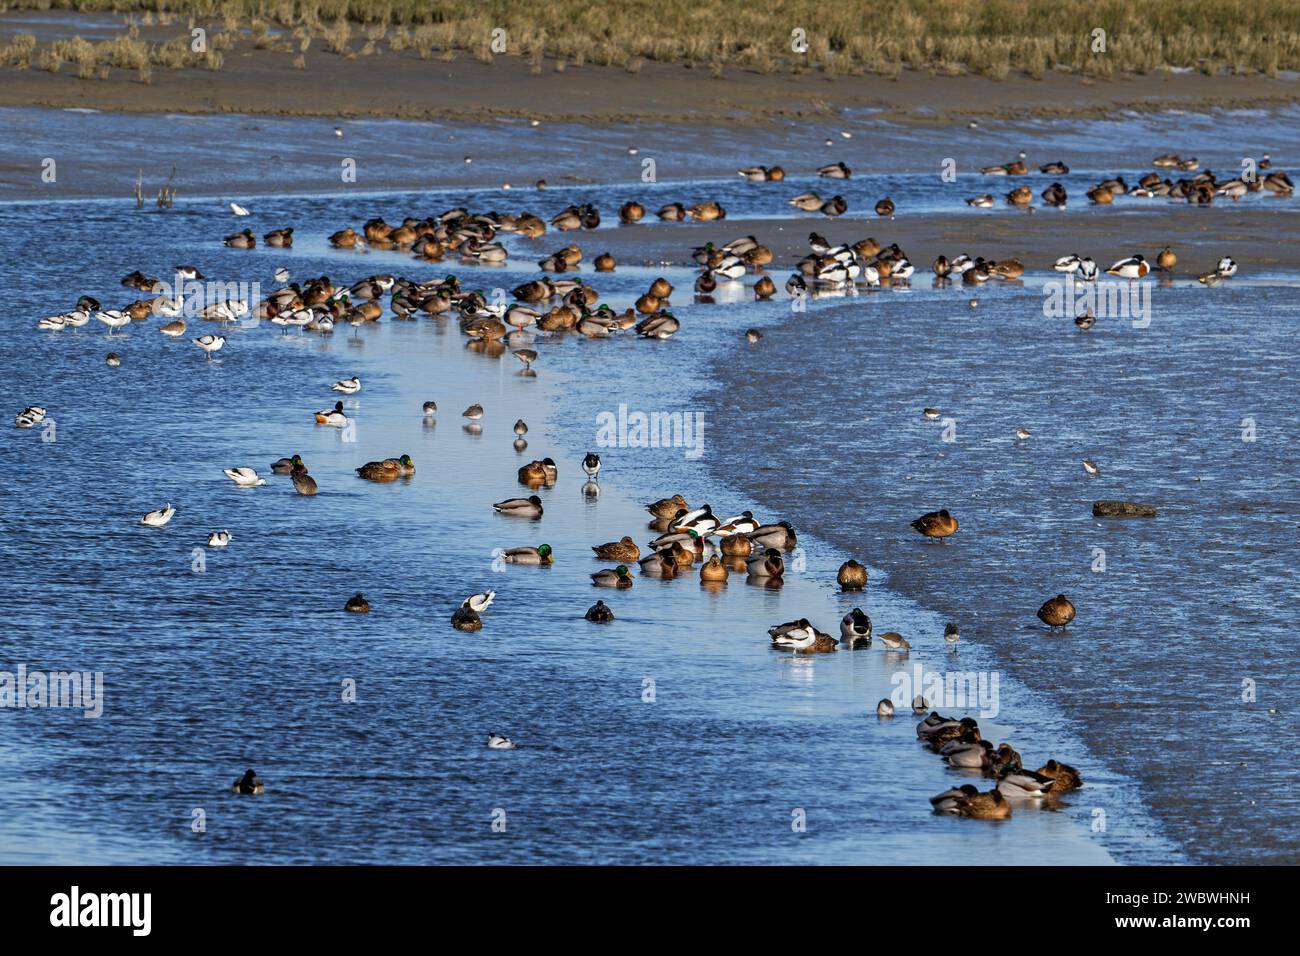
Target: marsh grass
(992,38)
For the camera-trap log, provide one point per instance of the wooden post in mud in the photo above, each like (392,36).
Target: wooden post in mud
(139,190)
(167,194)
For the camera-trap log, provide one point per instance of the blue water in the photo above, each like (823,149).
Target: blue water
(243,664)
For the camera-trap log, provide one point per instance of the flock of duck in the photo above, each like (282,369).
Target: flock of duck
(686,537)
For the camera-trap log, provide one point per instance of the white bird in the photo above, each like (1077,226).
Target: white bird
(210,343)
(591,464)
(1134,267)
(244,477)
(54,323)
(1087,269)
(1068,263)
(348,386)
(1090,467)
(1227,267)
(479,602)
(902,270)
(114,319)
(218,539)
(156,519)
(282,275)
(76,318)
(30,416)
(238,210)
(796,635)
(1022,432)
(499,742)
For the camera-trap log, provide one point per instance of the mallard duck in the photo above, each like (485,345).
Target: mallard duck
(156,519)
(499,742)
(387,470)
(920,705)
(599,613)
(1166,260)
(936,524)
(466,619)
(357,604)
(219,539)
(612,578)
(834,171)
(303,483)
(348,386)
(769,564)
(538,555)
(530,507)
(241,240)
(779,535)
(533,474)
(1025,783)
(946,802)
(661,564)
(885,208)
(713,570)
(1056,612)
(591,465)
(855,629)
(1054,169)
(249,785)
(1007,759)
(667,507)
(279,238)
(332,416)
(625,550)
(1065,776)
(852,576)
(737,546)
(968,752)
(1020,196)
(983,806)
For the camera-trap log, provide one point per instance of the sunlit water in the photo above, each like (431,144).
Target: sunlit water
(243,664)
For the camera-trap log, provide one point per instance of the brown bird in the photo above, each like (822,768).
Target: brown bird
(936,524)
(1167,259)
(1066,777)
(1056,612)
(852,576)
(624,551)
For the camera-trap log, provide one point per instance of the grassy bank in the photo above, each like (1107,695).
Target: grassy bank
(992,38)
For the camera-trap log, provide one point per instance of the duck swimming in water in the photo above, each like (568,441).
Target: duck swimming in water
(855,629)
(852,576)
(357,604)
(537,556)
(530,507)
(249,785)
(618,577)
(625,550)
(936,524)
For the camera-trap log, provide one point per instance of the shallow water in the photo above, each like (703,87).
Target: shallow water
(242,665)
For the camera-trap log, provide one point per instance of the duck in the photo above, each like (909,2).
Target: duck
(540,555)
(855,629)
(946,802)
(1064,776)
(219,539)
(1134,267)
(388,469)
(599,613)
(241,240)
(794,635)
(713,571)
(465,618)
(1022,432)
(885,208)
(303,483)
(279,238)
(430,409)
(672,212)
(894,641)
(625,550)
(1056,612)
(936,524)
(332,416)
(1020,196)
(244,477)
(663,563)
(981,202)
(779,535)
(357,604)
(1085,321)
(667,507)
(834,171)
(742,523)
(530,507)
(591,465)
(1091,468)
(631,212)
(1054,169)
(618,577)
(951,635)
(156,519)
(533,474)
(348,386)
(1025,783)
(753,336)
(737,546)
(1055,196)
(284,466)
(249,785)
(852,576)
(968,752)
(499,742)
(984,806)
(769,564)
(1166,259)
(1007,759)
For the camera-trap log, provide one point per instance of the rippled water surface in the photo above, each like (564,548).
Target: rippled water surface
(244,664)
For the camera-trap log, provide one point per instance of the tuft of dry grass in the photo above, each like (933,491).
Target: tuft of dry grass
(17,52)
